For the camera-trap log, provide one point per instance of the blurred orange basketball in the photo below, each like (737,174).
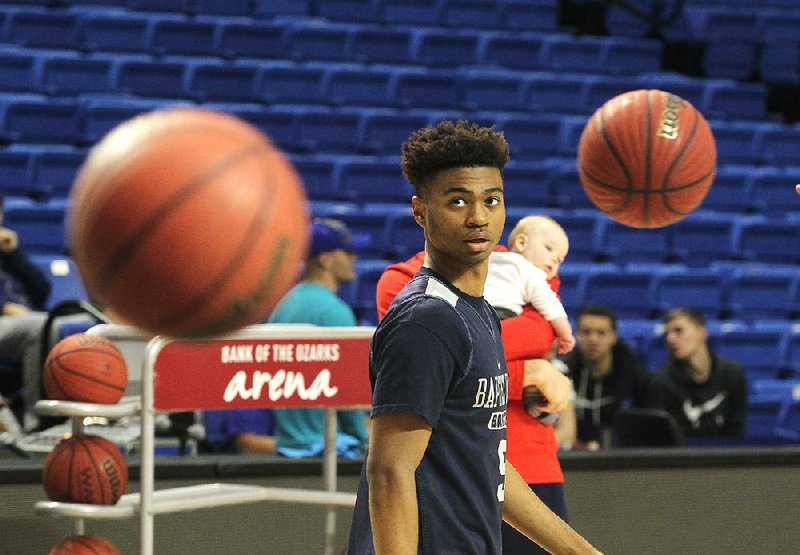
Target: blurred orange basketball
(85,469)
(188,222)
(85,545)
(85,368)
(647,158)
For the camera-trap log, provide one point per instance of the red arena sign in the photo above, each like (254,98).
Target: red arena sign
(253,373)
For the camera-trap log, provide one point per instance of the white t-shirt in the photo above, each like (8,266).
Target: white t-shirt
(513,282)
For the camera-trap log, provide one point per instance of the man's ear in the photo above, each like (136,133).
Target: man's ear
(419,209)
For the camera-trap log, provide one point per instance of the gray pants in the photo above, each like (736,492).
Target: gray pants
(20,342)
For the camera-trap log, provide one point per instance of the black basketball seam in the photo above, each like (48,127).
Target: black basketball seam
(68,370)
(113,353)
(675,189)
(58,453)
(116,456)
(70,473)
(96,441)
(648,145)
(95,466)
(84,542)
(673,165)
(52,379)
(157,217)
(618,159)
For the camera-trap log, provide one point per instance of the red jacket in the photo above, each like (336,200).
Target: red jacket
(532,446)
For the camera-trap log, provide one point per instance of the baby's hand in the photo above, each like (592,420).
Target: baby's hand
(563,329)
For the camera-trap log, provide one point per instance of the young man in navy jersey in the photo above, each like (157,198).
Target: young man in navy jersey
(436,480)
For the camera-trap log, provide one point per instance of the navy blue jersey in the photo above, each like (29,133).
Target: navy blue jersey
(438,354)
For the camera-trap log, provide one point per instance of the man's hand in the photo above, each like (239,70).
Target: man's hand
(9,241)
(15,309)
(554,386)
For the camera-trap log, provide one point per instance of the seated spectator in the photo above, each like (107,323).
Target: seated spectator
(607,374)
(24,290)
(705,392)
(249,431)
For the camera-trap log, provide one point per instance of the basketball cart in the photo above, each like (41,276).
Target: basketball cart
(261,366)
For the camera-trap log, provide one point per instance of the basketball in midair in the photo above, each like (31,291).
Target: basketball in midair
(188,222)
(85,469)
(647,158)
(85,368)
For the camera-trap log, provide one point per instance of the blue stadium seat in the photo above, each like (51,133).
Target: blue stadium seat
(626,244)
(318,42)
(585,232)
(53,170)
(425,88)
(691,89)
(372,224)
(770,240)
(654,350)
(175,6)
(38,120)
(64,277)
(349,86)
(321,130)
(319,176)
(470,13)
(116,31)
(729,59)
(529,15)
(566,187)
(373,180)
(432,48)
(526,184)
(629,19)
(383,131)
(779,26)
(628,56)
(279,125)
(150,79)
(792,359)
(99,115)
(702,236)
(511,51)
(40,29)
(403,237)
(636,332)
(572,288)
(493,90)
(568,53)
(732,100)
(700,289)
(601,88)
(381,45)
(778,145)
(532,137)
(760,292)
(766,398)
(628,293)
(780,63)
(182,38)
(348,10)
(735,140)
(287,82)
(731,190)
(759,351)
(212,81)
(725,23)
(770,193)
(422,12)
(259,39)
(15,172)
(17,70)
(222,7)
(368,272)
(562,93)
(40,226)
(66,75)
(271,8)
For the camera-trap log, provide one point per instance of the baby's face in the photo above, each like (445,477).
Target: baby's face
(546,248)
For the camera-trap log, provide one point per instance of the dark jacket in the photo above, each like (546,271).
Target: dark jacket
(21,281)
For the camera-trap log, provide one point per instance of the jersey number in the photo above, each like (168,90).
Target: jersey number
(501,454)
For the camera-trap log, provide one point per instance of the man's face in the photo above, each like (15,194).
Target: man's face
(463,213)
(684,338)
(596,336)
(342,265)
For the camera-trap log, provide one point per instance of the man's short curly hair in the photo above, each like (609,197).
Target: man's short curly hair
(451,145)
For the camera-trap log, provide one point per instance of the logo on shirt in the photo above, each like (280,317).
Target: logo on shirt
(695,412)
(492,393)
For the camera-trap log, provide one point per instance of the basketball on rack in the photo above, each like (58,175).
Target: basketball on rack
(85,368)
(188,223)
(647,158)
(85,545)
(85,469)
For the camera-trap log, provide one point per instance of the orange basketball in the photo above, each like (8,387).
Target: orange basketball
(85,469)
(86,368)
(188,222)
(647,158)
(85,545)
